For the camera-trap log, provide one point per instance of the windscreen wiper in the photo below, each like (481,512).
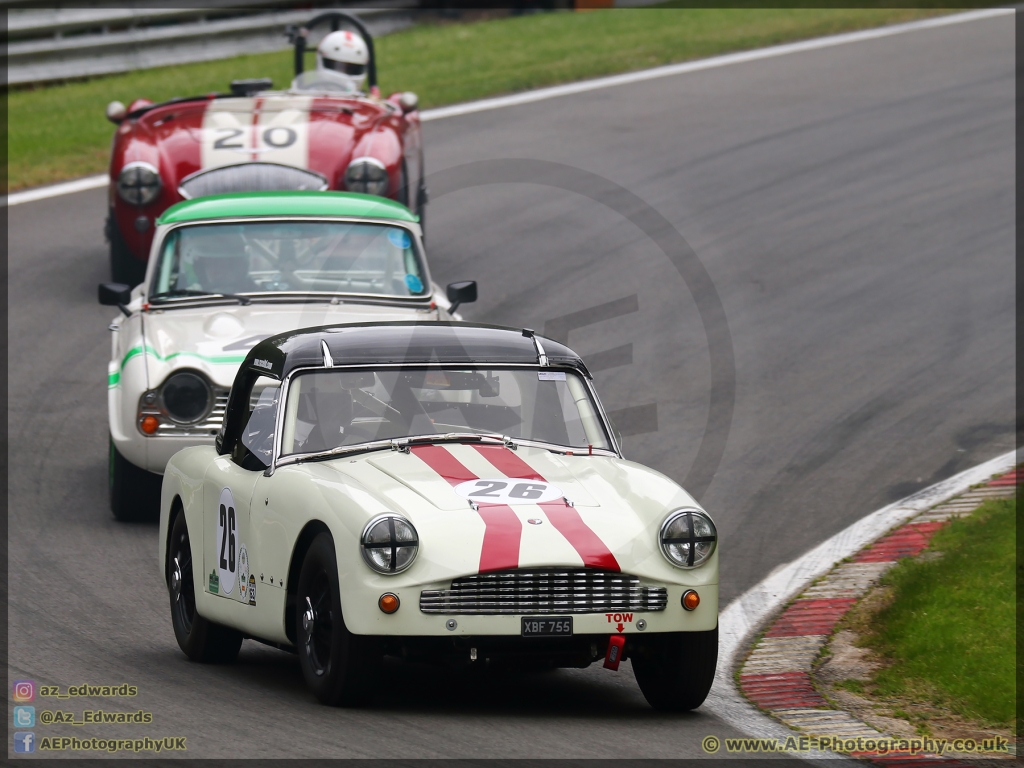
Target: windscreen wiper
(243,300)
(404,444)
(401,444)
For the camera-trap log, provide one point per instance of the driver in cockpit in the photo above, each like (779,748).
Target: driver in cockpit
(342,59)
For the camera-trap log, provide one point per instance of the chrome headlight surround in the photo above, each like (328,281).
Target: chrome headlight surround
(367,175)
(389,544)
(171,401)
(139,183)
(688,538)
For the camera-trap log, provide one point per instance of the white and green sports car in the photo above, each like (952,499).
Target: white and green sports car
(227,271)
(437,491)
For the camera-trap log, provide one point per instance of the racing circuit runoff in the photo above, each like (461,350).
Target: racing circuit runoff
(852,207)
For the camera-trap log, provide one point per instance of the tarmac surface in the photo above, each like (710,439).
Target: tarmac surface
(853,209)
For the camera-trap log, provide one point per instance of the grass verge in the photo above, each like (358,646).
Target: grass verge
(59,132)
(947,630)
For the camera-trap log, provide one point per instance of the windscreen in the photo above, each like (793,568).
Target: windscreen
(331,409)
(290,256)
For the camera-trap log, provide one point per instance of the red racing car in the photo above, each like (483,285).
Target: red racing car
(326,131)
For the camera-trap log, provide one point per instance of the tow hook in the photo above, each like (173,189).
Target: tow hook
(614,655)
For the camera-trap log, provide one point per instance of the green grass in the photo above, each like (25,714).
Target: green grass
(854,686)
(59,132)
(949,631)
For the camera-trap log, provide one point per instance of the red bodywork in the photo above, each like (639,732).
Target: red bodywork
(326,134)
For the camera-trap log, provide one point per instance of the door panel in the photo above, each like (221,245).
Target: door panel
(227,495)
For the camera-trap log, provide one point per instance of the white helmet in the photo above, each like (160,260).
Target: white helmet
(346,54)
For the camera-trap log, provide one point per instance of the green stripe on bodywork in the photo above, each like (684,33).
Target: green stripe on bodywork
(286,203)
(113,379)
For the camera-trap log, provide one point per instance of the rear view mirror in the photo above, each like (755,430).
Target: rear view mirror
(357,379)
(461,293)
(114,294)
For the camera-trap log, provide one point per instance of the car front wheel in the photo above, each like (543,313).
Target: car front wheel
(339,667)
(124,267)
(675,669)
(134,492)
(200,639)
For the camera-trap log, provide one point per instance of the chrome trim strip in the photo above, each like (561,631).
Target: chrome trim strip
(542,358)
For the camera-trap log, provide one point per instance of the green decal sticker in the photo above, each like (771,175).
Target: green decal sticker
(214,582)
(149,350)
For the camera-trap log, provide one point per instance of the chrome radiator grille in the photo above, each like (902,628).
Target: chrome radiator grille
(209,426)
(544,591)
(249,177)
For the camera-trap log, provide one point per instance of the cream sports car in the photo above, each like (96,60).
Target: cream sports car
(226,272)
(447,492)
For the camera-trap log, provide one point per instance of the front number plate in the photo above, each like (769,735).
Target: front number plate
(547,626)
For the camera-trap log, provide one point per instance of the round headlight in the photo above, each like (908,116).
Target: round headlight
(367,175)
(688,538)
(139,183)
(389,544)
(186,396)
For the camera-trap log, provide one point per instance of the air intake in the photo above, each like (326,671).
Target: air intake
(249,177)
(544,591)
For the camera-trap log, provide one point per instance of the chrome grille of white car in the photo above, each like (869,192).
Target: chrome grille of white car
(209,426)
(531,591)
(249,177)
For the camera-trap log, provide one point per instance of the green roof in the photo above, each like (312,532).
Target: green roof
(286,204)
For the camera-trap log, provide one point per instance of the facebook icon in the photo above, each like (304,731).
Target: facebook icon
(25,742)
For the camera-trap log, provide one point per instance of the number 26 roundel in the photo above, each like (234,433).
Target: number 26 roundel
(226,541)
(508,490)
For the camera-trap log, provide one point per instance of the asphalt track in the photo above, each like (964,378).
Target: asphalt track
(854,207)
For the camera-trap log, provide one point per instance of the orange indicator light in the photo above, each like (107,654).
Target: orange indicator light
(690,600)
(149,424)
(388,602)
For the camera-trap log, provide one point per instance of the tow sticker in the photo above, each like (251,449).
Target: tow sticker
(508,490)
(227,536)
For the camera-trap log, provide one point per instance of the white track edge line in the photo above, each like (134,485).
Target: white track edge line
(748,612)
(741,57)
(541,94)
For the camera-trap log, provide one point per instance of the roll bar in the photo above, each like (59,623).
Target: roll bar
(297,36)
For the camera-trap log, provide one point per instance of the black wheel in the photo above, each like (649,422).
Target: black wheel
(134,492)
(124,268)
(339,667)
(675,669)
(200,639)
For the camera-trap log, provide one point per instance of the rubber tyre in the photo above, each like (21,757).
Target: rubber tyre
(201,640)
(124,267)
(339,667)
(675,669)
(134,492)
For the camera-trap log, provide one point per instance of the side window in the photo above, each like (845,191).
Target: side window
(258,435)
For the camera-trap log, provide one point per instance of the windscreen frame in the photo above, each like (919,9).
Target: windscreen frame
(278,460)
(165,232)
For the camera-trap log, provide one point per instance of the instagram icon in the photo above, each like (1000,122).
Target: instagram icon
(24,690)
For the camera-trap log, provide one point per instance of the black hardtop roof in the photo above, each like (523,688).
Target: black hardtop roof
(383,343)
(403,342)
